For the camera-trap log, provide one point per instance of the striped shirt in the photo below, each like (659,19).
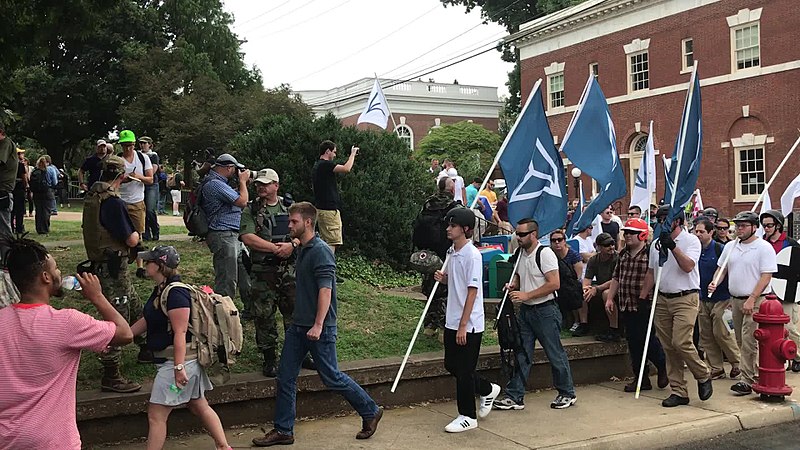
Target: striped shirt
(217,202)
(630,273)
(38,367)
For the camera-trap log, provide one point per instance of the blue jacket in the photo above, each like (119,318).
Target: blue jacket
(708,266)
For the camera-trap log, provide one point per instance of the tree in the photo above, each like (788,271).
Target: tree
(381,196)
(511,14)
(471,146)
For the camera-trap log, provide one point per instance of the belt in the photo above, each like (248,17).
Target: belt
(540,305)
(678,294)
(743,297)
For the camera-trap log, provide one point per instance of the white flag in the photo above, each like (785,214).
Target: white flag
(377,110)
(765,205)
(597,227)
(697,207)
(645,185)
(791,193)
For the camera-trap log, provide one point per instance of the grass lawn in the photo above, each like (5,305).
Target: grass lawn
(63,230)
(372,324)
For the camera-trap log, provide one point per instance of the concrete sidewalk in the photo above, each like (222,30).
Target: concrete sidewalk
(604,417)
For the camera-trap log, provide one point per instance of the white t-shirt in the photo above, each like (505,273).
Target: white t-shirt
(585,246)
(458,195)
(746,264)
(530,277)
(133,191)
(673,278)
(441,175)
(464,270)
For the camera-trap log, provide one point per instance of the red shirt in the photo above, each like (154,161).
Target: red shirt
(39,356)
(780,244)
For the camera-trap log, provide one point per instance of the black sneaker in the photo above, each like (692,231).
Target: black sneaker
(742,388)
(582,330)
(674,400)
(609,336)
(507,404)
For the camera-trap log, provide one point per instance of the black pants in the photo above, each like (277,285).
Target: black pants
(18,213)
(460,361)
(636,332)
(43,202)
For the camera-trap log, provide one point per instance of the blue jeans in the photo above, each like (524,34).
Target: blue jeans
(542,323)
(151,228)
(295,347)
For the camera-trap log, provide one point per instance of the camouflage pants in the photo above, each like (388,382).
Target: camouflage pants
(436,312)
(120,293)
(272,288)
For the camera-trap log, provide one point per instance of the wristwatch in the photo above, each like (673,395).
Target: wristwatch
(178,367)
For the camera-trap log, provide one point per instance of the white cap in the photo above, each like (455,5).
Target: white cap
(267,176)
(452,172)
(500,183)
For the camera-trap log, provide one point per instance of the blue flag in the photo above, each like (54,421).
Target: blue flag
(688,150)
(591,144)
(533,169)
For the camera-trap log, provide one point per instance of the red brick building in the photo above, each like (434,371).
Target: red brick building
(417,106)
(642,52)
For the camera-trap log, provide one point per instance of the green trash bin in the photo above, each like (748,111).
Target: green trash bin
(499,274)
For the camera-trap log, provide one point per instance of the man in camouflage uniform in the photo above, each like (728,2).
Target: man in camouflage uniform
(111,244)
(441,201)
(264,230)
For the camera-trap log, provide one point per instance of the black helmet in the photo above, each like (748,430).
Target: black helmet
(663,211)
(460,216)
(775,214)
(746,216)
(711,212)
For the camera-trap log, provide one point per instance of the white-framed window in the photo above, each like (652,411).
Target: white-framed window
(636,156)
(746,46)
(406,135)
(687,52)
(639,70)
(750,173)
(555,89)
(594,70)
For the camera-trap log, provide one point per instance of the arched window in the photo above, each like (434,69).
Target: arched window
(406,135)
(639,143)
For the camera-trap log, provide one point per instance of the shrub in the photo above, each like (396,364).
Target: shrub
(380,197)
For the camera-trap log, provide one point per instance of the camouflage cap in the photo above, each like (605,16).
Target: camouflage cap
(113,162)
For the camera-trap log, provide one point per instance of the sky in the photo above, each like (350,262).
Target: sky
(321,44)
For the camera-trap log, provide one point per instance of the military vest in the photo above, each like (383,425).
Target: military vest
(270,227)
(96,238)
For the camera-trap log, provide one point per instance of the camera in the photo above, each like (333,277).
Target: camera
(253,173)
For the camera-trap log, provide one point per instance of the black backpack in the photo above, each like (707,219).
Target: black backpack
(38,182)
(194,216)
(429,230)
(570,293)
(510,339)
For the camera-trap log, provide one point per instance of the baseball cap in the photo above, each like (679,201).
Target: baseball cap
(20,150)
(227,160)
(126,137)
(267,176)
(499,183)
(147,139)
(100,142)
(113,162)
(164,253)
(604,239)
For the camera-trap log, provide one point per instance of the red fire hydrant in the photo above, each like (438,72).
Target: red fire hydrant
(773,349)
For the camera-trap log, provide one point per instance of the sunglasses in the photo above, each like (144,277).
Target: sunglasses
(557,240)
(522,234)
(721,228)
(631,232)
(768,225)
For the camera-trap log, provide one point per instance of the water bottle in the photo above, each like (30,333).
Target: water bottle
(727,318)
(173,393)
(70,283)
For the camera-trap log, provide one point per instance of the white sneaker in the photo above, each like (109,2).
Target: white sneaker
(574,326)
(461,423)
(487,401)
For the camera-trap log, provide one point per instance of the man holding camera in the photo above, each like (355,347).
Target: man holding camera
(223,207)
(326,194)
(109,236)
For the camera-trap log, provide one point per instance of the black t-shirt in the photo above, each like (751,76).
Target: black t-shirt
(159,334)
(19,185)
(114,218)
(611,228)
(91,166)
(326,193)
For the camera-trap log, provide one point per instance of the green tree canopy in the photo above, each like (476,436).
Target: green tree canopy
(471,146)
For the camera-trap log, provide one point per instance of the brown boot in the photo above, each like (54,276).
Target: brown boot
(114,382)
(274,437)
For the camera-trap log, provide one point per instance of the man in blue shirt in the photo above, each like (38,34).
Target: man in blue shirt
(715,337)
(314,330)
(52,181)
(223,208)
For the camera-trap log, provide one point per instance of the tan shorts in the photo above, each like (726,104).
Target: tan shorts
(136,211)
(329,224)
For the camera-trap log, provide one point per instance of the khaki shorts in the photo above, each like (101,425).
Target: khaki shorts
(329,224)
(136,211)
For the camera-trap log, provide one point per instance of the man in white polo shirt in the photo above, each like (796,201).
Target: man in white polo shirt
(751,263)
(533,288)
(677,304)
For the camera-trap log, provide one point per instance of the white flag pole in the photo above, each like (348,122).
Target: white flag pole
(717,277)
(681,143)
(436,285)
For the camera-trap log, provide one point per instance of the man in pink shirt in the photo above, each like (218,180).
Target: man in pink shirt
(42,348)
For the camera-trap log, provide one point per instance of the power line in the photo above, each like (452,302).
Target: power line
(264,13)
(374,43)
(316,16)
(281,16)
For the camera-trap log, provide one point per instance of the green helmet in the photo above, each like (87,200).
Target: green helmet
(126,136)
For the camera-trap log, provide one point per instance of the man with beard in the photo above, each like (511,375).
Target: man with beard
(42,348)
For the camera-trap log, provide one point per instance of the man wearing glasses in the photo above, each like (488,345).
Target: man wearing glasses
(772,222)
(600,269)
(722,230)
(751,263)
(533,288)
(558,242)
(634,212)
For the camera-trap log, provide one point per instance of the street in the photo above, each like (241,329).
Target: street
(781,436)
